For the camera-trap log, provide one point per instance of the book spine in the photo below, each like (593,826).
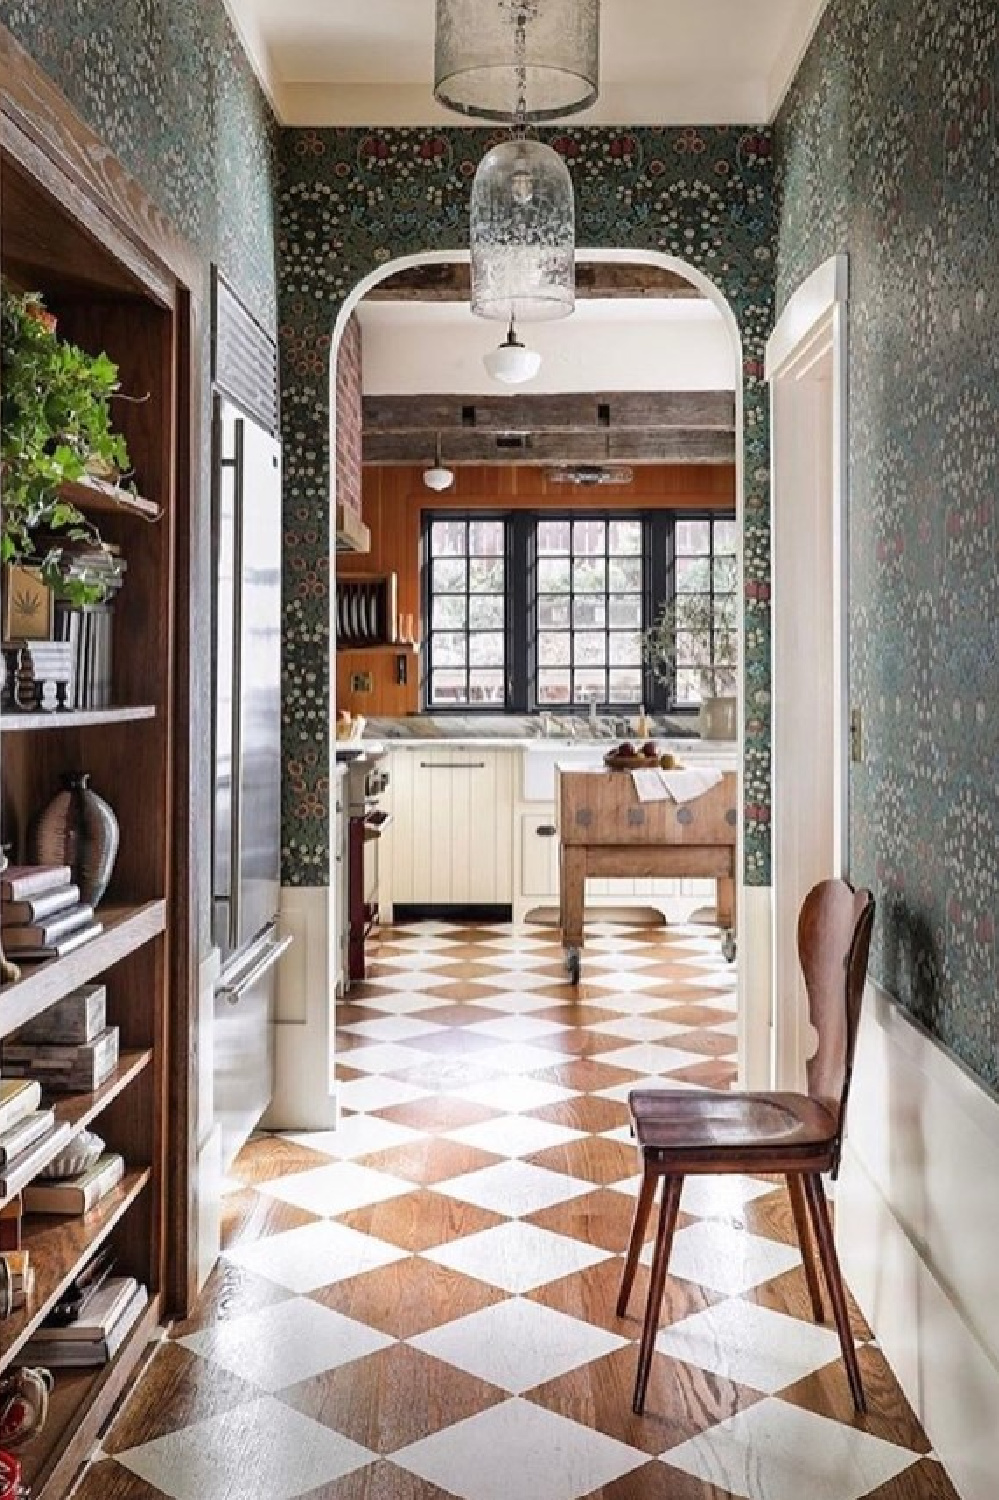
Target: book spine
(24,1102)
(36,908)
(19,884)
(24,1134)
(47,934)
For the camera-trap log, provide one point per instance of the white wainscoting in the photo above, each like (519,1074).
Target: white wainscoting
(304,1093)
(917,1211)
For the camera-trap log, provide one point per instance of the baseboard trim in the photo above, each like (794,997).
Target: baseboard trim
(917,1223)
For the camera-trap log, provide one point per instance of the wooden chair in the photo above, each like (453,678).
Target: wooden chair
(799,1135)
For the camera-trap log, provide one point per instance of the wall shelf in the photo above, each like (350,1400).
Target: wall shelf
(102,498)
(397,648)
(14,722)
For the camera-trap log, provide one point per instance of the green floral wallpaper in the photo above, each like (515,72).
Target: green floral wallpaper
(888,149)
(349,201)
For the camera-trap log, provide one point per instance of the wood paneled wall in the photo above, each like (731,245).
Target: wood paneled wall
(394,498)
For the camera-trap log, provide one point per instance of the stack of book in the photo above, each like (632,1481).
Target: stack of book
(41,913)
(62,1068)
(29,1135)
(76,1195)
(21,1276)
(98,1331)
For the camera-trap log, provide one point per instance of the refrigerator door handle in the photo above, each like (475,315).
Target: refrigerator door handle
(235,827)
(269,952)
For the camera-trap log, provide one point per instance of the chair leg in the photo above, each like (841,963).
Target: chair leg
(668,1210)
(819,1210)
(643,1208)
(800,1213)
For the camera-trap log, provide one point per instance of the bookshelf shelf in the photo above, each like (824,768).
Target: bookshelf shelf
(12,722)
(100,497)
(58,1247)
(126,928)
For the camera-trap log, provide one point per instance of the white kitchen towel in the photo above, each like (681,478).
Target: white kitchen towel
(682,786)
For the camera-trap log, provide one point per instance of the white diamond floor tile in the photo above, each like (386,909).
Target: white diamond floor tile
(358,1135)
(336,1189)
(407,981)
(750,1345)
(712,1197)
(285,1343)
(365,1094)
(514,1002)
(393,1028)
(517,1257)
(280,1453)
(775,1451)
(514,1135)
(639,1028)
(399,1002)
(514,1188)
(522,1057)
(519,1450)
(314,1255)
(383,1057)
(517,1344)
(620,1091)
(651,1057)
(633,982)
(726,1259)
(516,1028)
(515,1095)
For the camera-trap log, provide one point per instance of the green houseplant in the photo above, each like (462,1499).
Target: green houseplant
(55,426)
(697,634)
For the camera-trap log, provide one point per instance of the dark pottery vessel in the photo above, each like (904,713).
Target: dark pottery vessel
(78,829)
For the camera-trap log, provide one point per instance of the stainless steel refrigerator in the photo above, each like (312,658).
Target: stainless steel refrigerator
(246,834)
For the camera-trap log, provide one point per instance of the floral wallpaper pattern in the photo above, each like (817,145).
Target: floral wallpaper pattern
(888,149)
(351,200)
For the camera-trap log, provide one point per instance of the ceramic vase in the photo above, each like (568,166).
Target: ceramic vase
(78,829)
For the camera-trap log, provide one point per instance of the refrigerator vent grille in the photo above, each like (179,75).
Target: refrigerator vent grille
(244,357)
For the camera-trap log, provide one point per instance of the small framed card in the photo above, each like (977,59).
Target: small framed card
(28,605)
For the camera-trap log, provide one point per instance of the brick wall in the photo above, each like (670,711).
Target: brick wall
(349,417)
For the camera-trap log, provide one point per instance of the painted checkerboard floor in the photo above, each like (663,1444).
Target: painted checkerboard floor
(421,1303)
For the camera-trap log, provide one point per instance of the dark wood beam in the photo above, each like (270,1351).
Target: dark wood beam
(451,282)
(703,411)
(640,445)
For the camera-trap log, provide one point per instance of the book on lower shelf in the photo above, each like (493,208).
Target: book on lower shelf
(20,1170)
(76,1195)
(47,932)
(15,1141)
(19,882)
(61,946)
(37,908)
(19,1097)
(20,1276)
(99,1336)
(77,1068)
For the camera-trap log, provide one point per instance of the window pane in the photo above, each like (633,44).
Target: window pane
(625,648)
(692,537)
(485,686)
(625,538)
(725,536)
(553,538)
(625,685)
(553,687)
(589,610)
(693,573)
(486,575)
(626,610)
(589,538)
(448,649)
(448,687)
(448,576)
(724,571)
(448,612)
(485,649)
(486,538)
(589,648)
(447,538)
(554,650)
(486,612)
(694,612)
(553,575)
(688,685)
(693,648)
(626,575)
(589,575)
(589,687)
(553,613)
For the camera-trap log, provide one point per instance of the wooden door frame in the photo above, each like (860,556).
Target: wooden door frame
(807,369)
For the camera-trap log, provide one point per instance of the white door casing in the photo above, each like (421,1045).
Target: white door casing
(806,365)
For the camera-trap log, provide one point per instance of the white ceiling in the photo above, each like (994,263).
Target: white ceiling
(662,62)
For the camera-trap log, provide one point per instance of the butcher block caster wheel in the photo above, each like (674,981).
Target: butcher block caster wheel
(728,945)
(572,964)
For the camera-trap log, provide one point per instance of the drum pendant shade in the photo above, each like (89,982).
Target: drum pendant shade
(517,60)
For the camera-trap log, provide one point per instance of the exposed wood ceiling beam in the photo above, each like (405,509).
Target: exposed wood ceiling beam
(601,412)
(624,445)
(451,282)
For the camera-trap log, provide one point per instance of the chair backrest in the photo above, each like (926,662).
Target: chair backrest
(834,938)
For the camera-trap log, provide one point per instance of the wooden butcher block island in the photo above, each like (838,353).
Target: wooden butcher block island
(604,830)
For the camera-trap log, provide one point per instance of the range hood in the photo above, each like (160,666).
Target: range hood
(351,533)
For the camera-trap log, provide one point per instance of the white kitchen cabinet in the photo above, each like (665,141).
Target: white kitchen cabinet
(450,842)
(340,881)
(539,855)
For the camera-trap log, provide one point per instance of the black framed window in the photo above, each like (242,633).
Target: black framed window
(529,611)
(465,567)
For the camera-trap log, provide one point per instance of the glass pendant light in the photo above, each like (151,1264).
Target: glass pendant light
(522,234)
(517,59)
(437,477)
(512,362)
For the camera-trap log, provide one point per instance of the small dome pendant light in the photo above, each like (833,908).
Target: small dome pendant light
(512,362)
(437,477)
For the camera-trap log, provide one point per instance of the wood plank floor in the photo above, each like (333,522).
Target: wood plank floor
(421,1303)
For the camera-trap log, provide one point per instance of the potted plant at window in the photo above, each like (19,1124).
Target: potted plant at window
(55,426)
(697,635)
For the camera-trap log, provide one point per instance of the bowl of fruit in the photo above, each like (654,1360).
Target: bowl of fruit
(629,757)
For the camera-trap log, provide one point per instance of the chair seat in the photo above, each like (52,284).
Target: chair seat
(669,1123)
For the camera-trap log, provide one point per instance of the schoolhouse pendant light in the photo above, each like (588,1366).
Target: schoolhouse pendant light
(516,60)
(437,477)
(522,232)
(512,363)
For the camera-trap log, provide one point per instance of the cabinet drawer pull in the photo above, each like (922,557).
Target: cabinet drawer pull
(546,830)
(452,765)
